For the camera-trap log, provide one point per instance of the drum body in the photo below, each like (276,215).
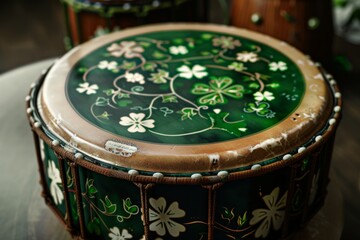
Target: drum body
(88,19)
(307,25)
(238,178)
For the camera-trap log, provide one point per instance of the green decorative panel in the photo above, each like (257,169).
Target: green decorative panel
(178,212)
(112,207)
(53,178)
(252,208)
(70,182)
(185,87)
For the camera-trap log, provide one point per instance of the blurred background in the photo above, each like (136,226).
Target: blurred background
(31,31)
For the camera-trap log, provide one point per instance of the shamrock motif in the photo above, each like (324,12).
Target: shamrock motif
(196,71)
(54,175)
(267,96)
(85,87)
(274,66)
(159,77)
(127,48)
(188,113)
(260,108)
(247,57)
(161,217)
(274,214)
(236,66)
(135,77)
(116,235)
(226,42)
(215,91)
(136,122)
(178,50)
(107,65)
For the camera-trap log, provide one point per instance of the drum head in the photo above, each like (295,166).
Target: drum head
(182,98)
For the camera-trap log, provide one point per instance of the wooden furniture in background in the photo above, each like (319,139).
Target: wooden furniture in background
(307,25)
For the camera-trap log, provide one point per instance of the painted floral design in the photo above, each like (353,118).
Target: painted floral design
(216,89)
(134,78)
(160,77)
(178,50)
(265,96)
(87,88)
(128,49)
(226,42)
(183,78)
(137,122)
(275,66)
(196,71)
(273,215)
(54,175)
(115,234)
(236,66)
(161,217)
(247,57)
(107,65)
(260,108)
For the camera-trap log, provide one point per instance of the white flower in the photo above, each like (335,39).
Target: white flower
(277,66)
(273,214)
(127,48)
(115,234)
(135,77)
(54,175)
(259,96)
(107,65)
(161,217)
(247,57)
(176,50)
(136,122)
(85,87)
(197,71)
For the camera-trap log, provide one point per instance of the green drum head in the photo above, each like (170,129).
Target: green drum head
(185,87)
(183,98)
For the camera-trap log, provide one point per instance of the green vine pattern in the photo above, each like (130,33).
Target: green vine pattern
(141,83)
(107,209)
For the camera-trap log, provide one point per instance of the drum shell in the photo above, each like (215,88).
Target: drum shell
(307,25)
(84,22)
(93,199)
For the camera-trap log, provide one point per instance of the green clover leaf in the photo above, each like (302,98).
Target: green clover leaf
(91,189)
(129,207)
(216,89)
(188,113)
(109,207)
(160,77)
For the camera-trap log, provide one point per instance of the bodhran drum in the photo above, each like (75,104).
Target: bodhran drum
(86,19)
(184,131)
(307,25)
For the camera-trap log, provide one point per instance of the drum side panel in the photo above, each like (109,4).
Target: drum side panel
(112,207)
(245,207)
(184,209)
(54,182)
